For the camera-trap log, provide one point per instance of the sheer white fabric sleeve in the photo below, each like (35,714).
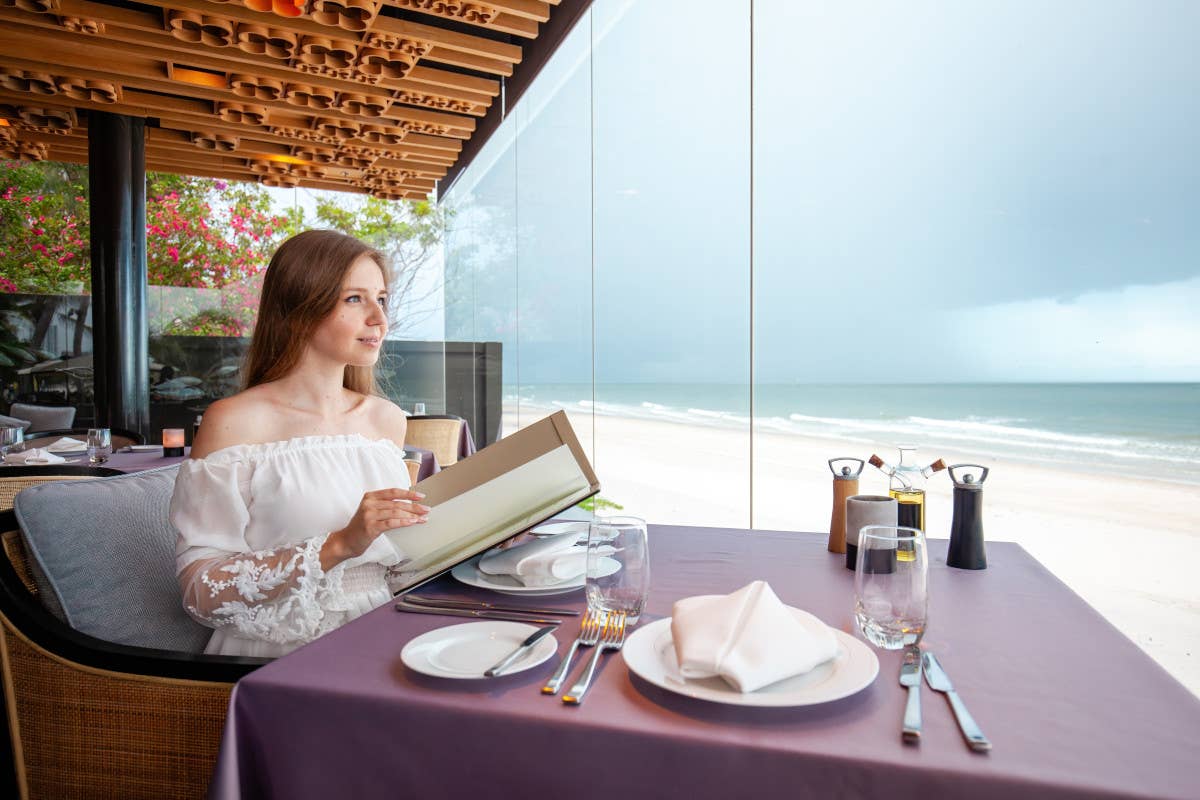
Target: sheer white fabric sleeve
(280,595)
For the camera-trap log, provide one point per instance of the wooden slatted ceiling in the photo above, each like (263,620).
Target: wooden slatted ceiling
(353,95)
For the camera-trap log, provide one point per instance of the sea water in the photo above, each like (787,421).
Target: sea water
(1148,429)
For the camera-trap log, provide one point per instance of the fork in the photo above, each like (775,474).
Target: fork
(613,638)
(589,634)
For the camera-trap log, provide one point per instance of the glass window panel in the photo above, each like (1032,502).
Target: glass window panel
(554,241)
(481,267)
(975,231)
(672,270)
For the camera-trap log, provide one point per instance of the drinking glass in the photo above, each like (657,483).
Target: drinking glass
(12,440)
(99,445)
(891,599)
(418,409)
(618,566)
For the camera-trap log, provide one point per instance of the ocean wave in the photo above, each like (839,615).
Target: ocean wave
(1009,430)
(989,436)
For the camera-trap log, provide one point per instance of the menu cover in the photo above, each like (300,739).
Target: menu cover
(508,487)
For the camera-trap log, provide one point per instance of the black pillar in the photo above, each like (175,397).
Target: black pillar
(120,334)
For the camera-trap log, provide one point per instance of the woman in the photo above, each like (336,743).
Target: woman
(292,481)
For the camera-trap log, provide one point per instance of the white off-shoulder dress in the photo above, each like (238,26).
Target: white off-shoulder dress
(251,520)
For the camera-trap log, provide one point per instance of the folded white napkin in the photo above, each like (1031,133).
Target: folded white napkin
(541,562)
(66,444)
(749,638)
(35,456)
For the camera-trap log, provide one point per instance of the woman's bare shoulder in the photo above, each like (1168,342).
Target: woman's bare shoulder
(387,420)
(240,419)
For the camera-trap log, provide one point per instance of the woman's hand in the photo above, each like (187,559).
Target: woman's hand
(379,511)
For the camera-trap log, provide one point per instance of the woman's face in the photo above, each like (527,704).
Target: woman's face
(353,331)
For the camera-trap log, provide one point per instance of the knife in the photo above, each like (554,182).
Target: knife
(477,613)
(940,682)
(533,639)
(910,676)
(443,602)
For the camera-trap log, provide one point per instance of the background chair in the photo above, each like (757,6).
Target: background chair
(14,479)
(44,418)
(414,469)
(13,422)
(120,437)
(440,433)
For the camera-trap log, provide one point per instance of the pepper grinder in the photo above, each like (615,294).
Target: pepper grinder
(966,531)
(845,484)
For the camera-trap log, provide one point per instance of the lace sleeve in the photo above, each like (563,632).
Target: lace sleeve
(281,595)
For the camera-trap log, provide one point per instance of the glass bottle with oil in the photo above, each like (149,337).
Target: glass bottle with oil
(906,483)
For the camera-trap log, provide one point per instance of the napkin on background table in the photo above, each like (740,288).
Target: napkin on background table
(542,562)
(749,638)
(66,444)
(35,456)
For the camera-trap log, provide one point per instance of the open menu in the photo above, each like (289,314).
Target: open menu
(520,481)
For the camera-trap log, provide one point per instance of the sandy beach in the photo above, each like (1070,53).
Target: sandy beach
(1127,545)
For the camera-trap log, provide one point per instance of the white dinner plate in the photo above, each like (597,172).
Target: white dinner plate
(556,528)
(650,654)
(144,448)
(465,651)
(468,572)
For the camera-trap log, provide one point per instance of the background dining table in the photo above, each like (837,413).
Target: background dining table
(141,460)
(1072,707)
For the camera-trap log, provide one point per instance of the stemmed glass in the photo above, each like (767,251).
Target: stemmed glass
(99,445)
(891,597)
(618,566)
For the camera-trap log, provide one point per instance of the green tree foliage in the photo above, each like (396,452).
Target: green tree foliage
(201,234)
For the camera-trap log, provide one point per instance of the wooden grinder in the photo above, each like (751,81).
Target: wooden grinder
(845,484)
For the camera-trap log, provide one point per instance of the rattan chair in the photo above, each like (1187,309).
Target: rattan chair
(90,718)
(440,433)
(120,437)
(14,479)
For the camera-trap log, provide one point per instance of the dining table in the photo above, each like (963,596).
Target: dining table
(1072,707)
(146,458)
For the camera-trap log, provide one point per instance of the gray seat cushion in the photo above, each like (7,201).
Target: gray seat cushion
(103,552)
(44,418)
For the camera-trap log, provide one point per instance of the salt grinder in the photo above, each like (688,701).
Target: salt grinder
(845,484)
(966,531)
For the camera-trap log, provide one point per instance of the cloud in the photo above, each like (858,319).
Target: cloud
(1135,333)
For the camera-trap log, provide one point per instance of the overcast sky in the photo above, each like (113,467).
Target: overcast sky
(1004,191)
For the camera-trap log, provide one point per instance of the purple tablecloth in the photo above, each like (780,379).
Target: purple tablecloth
(137,462)
(1073,708)
(466,442)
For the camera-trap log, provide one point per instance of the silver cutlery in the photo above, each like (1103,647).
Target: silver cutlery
(476,613)
(589,634)
(910,676)
(939,681)
(442,602)
(523,648)
(613,638)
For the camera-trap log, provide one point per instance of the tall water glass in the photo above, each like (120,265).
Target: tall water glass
(891,597)
(99,445)
(618,566)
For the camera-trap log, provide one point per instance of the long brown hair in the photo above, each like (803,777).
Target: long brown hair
(301,288)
